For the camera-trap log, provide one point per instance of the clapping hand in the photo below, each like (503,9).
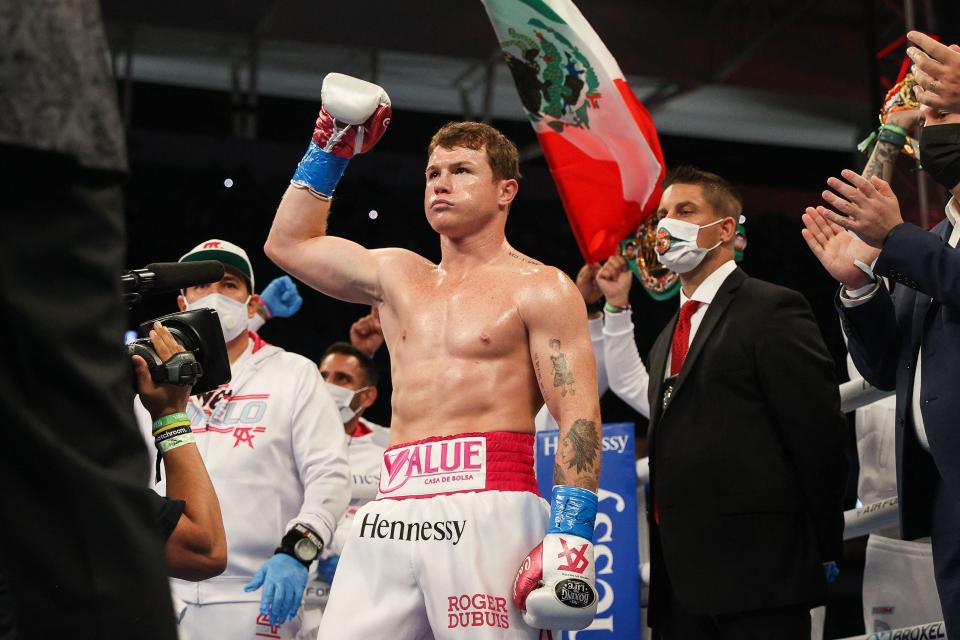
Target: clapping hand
(869,208)
(836,249)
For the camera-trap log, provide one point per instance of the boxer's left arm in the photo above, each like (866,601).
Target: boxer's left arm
(562,355)
(555,584)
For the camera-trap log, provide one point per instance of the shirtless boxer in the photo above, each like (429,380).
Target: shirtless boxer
(475,342)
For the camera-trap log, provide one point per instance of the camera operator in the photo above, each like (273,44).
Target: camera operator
(274,445)
(189,516)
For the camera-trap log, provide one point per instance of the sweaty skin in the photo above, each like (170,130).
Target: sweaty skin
(475,340)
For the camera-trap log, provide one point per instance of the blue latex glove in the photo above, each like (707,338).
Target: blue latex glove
(284,579)
(326,568)
(831,571)
(282,297)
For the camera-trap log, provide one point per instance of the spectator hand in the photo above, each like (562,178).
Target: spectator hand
(936,68)
(160,399)
(836,249)
(614,280)
(327,568)
(284,579)
(281,298)
(869,208)
(587,283)
(366,334)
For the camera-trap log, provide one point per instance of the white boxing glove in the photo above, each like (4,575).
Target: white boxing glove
(555,584)
(354,116)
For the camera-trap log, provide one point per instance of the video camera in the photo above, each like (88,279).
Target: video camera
(204,364)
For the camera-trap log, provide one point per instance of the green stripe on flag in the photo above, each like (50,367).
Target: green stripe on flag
(542,7)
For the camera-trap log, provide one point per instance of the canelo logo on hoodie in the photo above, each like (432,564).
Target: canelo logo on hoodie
(440,466)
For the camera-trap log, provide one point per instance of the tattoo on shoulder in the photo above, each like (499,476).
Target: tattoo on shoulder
(578,456)
(517,256)
(562,375)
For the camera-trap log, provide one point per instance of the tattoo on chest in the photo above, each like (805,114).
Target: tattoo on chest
(578,455)
(521,258)
(562,375)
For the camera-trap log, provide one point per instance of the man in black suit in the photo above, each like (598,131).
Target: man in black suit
(746,438)
(908,340)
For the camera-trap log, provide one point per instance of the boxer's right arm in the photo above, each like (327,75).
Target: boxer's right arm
(338,267)
(354,115)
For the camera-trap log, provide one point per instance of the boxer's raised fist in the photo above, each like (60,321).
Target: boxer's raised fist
(354,116)
(555,584)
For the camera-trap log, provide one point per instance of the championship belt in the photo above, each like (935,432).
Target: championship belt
(640,252)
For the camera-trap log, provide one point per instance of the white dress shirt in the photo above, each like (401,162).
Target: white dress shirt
(859,296)
(704,294)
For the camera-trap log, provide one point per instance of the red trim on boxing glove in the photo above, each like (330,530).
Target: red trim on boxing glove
(529,577)
(357,139)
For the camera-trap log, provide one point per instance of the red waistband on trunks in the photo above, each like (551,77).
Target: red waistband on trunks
(465,462)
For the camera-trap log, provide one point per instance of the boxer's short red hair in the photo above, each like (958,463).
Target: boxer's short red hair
(502,154)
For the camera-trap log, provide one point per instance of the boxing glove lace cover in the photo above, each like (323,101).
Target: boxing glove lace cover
(554,587)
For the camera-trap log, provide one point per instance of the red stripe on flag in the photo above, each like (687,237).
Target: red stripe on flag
(591,189)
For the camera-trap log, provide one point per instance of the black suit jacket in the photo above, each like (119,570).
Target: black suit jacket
(747,460)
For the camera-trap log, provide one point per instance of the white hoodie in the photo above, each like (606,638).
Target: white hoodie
(273,444)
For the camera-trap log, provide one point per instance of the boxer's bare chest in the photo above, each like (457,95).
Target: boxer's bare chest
(471,316)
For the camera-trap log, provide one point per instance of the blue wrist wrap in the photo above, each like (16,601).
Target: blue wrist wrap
(319,170)
(573,511)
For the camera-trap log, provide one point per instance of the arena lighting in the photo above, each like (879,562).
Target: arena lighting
(373,215)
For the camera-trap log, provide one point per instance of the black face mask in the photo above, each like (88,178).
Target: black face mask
(940,153)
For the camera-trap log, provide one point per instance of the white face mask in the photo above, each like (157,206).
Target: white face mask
(677,248)
(343,398)
(232,314)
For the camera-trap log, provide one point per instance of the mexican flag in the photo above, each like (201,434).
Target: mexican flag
(599,141)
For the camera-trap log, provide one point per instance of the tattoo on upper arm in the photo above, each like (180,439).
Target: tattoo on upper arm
(536,368)
(578,456)
(562,375)
(881,162)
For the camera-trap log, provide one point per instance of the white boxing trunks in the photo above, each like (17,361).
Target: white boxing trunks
(436,554)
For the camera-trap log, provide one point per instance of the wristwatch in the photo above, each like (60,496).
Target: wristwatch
(301,543)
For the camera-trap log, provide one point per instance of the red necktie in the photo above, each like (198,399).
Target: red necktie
(681,336)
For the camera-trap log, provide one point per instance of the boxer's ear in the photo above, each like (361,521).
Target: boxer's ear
(507,191)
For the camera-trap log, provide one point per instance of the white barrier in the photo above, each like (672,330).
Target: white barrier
(859,393)
(871,517)
(927,631)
